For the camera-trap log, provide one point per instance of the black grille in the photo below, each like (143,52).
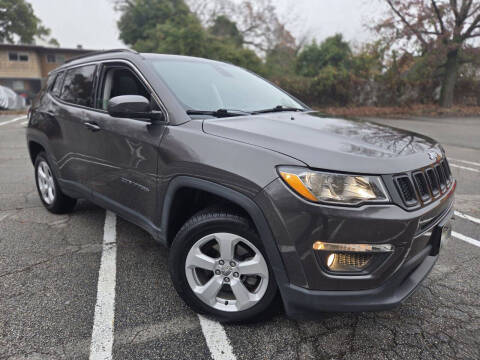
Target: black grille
(406,190)
(446,169)
(422,186)
(433,181)
(441,177)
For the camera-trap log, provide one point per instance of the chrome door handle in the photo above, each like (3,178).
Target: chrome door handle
(92,126)
(47,112)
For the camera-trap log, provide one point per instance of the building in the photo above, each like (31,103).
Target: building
(24,68)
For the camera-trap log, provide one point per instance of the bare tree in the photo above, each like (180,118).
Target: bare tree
(257,20)
(446,29)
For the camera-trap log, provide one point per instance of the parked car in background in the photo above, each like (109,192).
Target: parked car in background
(10,100)
(255,194)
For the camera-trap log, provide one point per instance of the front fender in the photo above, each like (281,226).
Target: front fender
(247,204)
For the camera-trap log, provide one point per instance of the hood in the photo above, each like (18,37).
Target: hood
(326,143)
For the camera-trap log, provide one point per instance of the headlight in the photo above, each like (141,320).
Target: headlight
(334,188)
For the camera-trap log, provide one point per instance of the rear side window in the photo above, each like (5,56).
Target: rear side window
(57,85)
(78,86)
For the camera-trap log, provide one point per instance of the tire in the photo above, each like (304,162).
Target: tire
(204,232)
(48,189)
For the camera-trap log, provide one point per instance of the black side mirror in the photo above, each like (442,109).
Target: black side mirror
(132,106)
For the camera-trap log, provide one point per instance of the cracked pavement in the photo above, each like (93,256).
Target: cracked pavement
(49,271)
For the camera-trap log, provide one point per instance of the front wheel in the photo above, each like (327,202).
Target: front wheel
(218,267)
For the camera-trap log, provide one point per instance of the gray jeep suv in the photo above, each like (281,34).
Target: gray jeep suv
(257,196)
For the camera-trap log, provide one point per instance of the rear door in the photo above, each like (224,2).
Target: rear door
(74,109)
(125,176)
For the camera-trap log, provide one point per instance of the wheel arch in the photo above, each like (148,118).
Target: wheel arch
(34,148)
(240,200)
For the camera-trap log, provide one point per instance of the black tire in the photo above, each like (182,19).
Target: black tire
(61,203)
(207,222)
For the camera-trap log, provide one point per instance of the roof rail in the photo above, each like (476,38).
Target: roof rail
(93,53)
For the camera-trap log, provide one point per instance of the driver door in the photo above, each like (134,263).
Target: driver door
(125,176)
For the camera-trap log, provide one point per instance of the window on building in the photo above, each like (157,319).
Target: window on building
(51,58)
(18,85)
(14,56)
(60,59)
(78,85)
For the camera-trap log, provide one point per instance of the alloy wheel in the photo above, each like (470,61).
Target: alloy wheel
(46,183)
(227,272)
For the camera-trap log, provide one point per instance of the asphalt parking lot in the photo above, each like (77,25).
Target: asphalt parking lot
(49,275)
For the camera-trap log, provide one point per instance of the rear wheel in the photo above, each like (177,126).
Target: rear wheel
(50,194)
(218,267)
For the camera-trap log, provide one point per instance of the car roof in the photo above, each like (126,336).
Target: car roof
(125,54)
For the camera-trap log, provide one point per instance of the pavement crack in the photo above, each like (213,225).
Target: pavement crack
(31,266)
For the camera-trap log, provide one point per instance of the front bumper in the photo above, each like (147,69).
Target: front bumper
(297,224)
(301,303)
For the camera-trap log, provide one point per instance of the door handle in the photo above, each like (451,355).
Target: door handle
(47,112)
(92,126)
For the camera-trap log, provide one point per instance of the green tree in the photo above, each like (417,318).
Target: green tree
(280,61)
(333,51)
(368,62)
(169,27)
(145,23)
(18,22)
(225,28)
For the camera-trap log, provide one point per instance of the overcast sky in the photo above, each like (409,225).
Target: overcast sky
(92,23)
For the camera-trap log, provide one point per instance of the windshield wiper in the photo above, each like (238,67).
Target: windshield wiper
(218,113)
(278,108)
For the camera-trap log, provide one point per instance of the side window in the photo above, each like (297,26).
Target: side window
(57,85)
(78,85)
(119,81)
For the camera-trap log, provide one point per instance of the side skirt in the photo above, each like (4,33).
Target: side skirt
(76,190)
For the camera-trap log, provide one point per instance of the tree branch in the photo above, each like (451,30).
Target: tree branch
(407,24)
(454,6)
(472,27)
(439,16)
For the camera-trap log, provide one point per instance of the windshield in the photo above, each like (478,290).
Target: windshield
(209,86)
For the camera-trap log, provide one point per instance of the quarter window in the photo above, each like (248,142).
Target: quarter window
(57,85)
(78,86)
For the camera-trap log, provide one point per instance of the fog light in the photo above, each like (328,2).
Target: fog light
(354,248)
(347,262)
(330,260)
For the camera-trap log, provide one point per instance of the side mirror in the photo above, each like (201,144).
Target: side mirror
(132,106)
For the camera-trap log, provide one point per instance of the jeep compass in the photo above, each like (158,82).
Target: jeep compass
(257,196)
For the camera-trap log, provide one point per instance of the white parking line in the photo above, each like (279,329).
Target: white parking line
(466,238)
(464,168)
(465,161)
(12,121)
(467,217)
(217,340)
(102,333)
(24,123)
